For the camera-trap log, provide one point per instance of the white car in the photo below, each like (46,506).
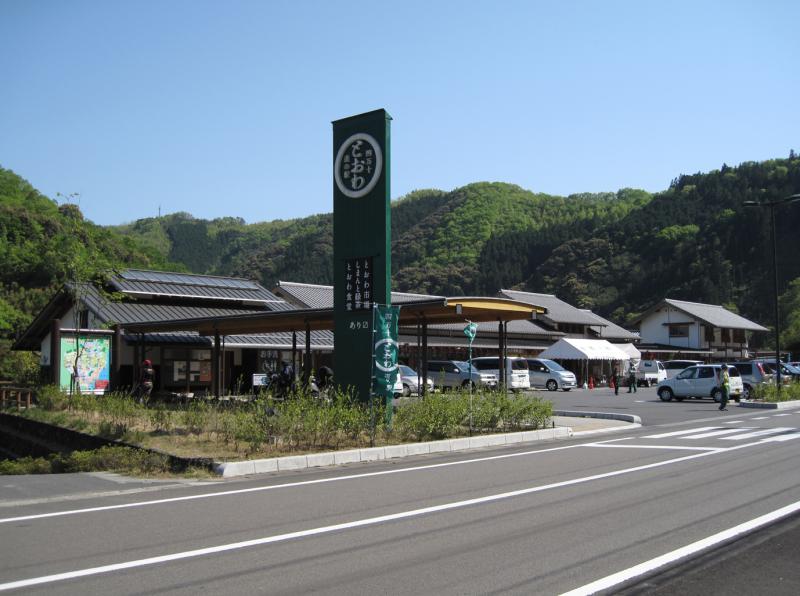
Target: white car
(517,377)
(412,382)
(700,381)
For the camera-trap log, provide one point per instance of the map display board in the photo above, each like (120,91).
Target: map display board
(94,363)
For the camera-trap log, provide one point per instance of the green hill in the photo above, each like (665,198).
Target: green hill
(616,253)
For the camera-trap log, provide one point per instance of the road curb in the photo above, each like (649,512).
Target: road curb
(783,405)
(335,458)
(604,415)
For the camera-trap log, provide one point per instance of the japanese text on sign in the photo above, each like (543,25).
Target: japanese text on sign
(358,165)
(358,284)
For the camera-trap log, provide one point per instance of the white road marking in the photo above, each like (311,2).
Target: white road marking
(673,447)
(46,579)
(680,553)
(678,433)
(760,418)
(715,433)
(241,491)
(733,422)
(759,433)
(779,415)
(781,438)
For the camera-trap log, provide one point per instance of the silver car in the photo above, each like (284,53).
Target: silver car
(454,374)
(412,382)
(550,375)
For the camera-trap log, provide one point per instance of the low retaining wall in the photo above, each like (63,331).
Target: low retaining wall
(42,439)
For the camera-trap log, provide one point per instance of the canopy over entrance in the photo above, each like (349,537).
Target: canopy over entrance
(584,349)
(631,351)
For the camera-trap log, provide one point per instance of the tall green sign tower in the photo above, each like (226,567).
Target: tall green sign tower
(361,242)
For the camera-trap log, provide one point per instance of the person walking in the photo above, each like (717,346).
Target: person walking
(632,379)
(146,377)
(616,379)
(725,387)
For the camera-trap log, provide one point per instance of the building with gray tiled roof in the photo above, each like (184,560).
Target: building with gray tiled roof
(181,358)
(687,327)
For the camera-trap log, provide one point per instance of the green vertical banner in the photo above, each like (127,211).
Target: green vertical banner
(361,243)
(384,354)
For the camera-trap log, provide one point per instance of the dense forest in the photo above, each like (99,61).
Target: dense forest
(616,253)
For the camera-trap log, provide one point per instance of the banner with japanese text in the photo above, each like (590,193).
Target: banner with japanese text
(384,350)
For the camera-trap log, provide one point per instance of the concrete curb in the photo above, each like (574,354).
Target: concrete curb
(783,405)
(604,415)
(335,458)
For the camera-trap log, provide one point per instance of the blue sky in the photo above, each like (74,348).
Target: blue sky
(224,108)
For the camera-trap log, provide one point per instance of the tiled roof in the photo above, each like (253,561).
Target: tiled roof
(320,340)
(558,311)
(520,327)
(608,330)
(138,283)
(123,312)
(710,314)
(320,296)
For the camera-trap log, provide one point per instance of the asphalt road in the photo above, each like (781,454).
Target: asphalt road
(543,518)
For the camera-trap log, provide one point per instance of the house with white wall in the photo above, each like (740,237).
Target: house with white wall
(679,326)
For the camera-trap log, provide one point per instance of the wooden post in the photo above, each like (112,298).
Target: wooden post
(116,358)
(55,352)
(215,376)
(307,362)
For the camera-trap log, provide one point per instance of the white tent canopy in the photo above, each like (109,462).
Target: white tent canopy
(585,349)
(632,351)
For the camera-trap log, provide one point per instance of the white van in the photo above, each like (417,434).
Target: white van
(517,377)
(650,372)
(673,367)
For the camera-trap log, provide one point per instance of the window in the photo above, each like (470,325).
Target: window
(705,372)
(725,335)
(708,332)
(689,373)
(738,336)
(679,330)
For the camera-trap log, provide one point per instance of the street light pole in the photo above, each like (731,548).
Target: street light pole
(772,205)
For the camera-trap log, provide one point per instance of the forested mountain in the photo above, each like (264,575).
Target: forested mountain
(616,253)
(42,245)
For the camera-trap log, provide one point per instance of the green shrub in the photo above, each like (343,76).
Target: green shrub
(195,416)
(438,416)
(769,393)
(51,398)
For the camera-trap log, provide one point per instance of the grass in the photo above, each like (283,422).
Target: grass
(265,427)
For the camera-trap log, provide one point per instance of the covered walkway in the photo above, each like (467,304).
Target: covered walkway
(418,314)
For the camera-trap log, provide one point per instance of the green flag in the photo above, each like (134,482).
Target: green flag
(384,350)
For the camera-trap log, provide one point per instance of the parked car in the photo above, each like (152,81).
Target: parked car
(753,374)
(788,372)
(398,386)
(673,367)
(454,374)
(550,375)
(517,377)
(650,372)
(700,381)
(412,382)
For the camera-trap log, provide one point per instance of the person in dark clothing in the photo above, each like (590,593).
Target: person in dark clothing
(146,377)
(616,379)
(632,379)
